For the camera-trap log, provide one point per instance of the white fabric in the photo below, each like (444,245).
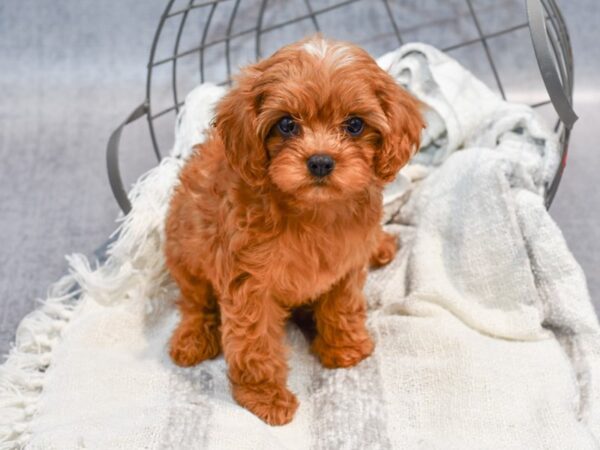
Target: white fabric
(485,334)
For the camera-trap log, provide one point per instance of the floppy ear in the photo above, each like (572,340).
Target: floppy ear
(402,136)
(237,125)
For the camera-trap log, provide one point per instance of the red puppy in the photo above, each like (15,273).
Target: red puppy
(281,208)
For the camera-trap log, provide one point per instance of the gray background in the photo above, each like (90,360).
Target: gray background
(71,70)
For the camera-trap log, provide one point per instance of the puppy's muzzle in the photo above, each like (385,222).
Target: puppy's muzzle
(320,165)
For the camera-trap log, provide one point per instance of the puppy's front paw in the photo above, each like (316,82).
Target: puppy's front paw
(271,402)
(346,355)
(193,343)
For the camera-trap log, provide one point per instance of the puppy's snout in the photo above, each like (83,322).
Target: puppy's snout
(320,165)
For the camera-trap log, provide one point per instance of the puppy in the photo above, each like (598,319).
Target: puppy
(280,209)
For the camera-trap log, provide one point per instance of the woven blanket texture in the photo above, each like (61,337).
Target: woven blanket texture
(485,334)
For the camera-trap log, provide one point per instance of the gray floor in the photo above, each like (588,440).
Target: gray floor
(70,70)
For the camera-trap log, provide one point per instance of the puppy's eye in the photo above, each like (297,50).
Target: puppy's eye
(287,127)
(354,126)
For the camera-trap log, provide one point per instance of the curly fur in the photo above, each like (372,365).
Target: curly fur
(252,236)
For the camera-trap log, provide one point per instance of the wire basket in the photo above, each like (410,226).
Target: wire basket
(198,41)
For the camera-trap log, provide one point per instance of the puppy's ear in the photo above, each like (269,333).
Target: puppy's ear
(402,135)
(237,125)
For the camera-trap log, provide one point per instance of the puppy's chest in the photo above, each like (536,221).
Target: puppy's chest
(307,264)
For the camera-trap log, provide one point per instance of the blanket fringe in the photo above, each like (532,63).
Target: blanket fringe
(22,374)
(135,256)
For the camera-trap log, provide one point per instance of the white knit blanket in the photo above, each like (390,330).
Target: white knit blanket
(485,334)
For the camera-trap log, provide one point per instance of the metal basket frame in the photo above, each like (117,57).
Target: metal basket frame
(549,35)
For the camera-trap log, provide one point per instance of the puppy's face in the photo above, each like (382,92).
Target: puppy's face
(320,121)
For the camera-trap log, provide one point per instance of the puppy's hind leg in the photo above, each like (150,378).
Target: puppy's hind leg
(198,336)
(385,250)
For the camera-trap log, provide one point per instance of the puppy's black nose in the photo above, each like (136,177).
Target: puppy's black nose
(320,165)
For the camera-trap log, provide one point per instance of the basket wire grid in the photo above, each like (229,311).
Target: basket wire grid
(198,41)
